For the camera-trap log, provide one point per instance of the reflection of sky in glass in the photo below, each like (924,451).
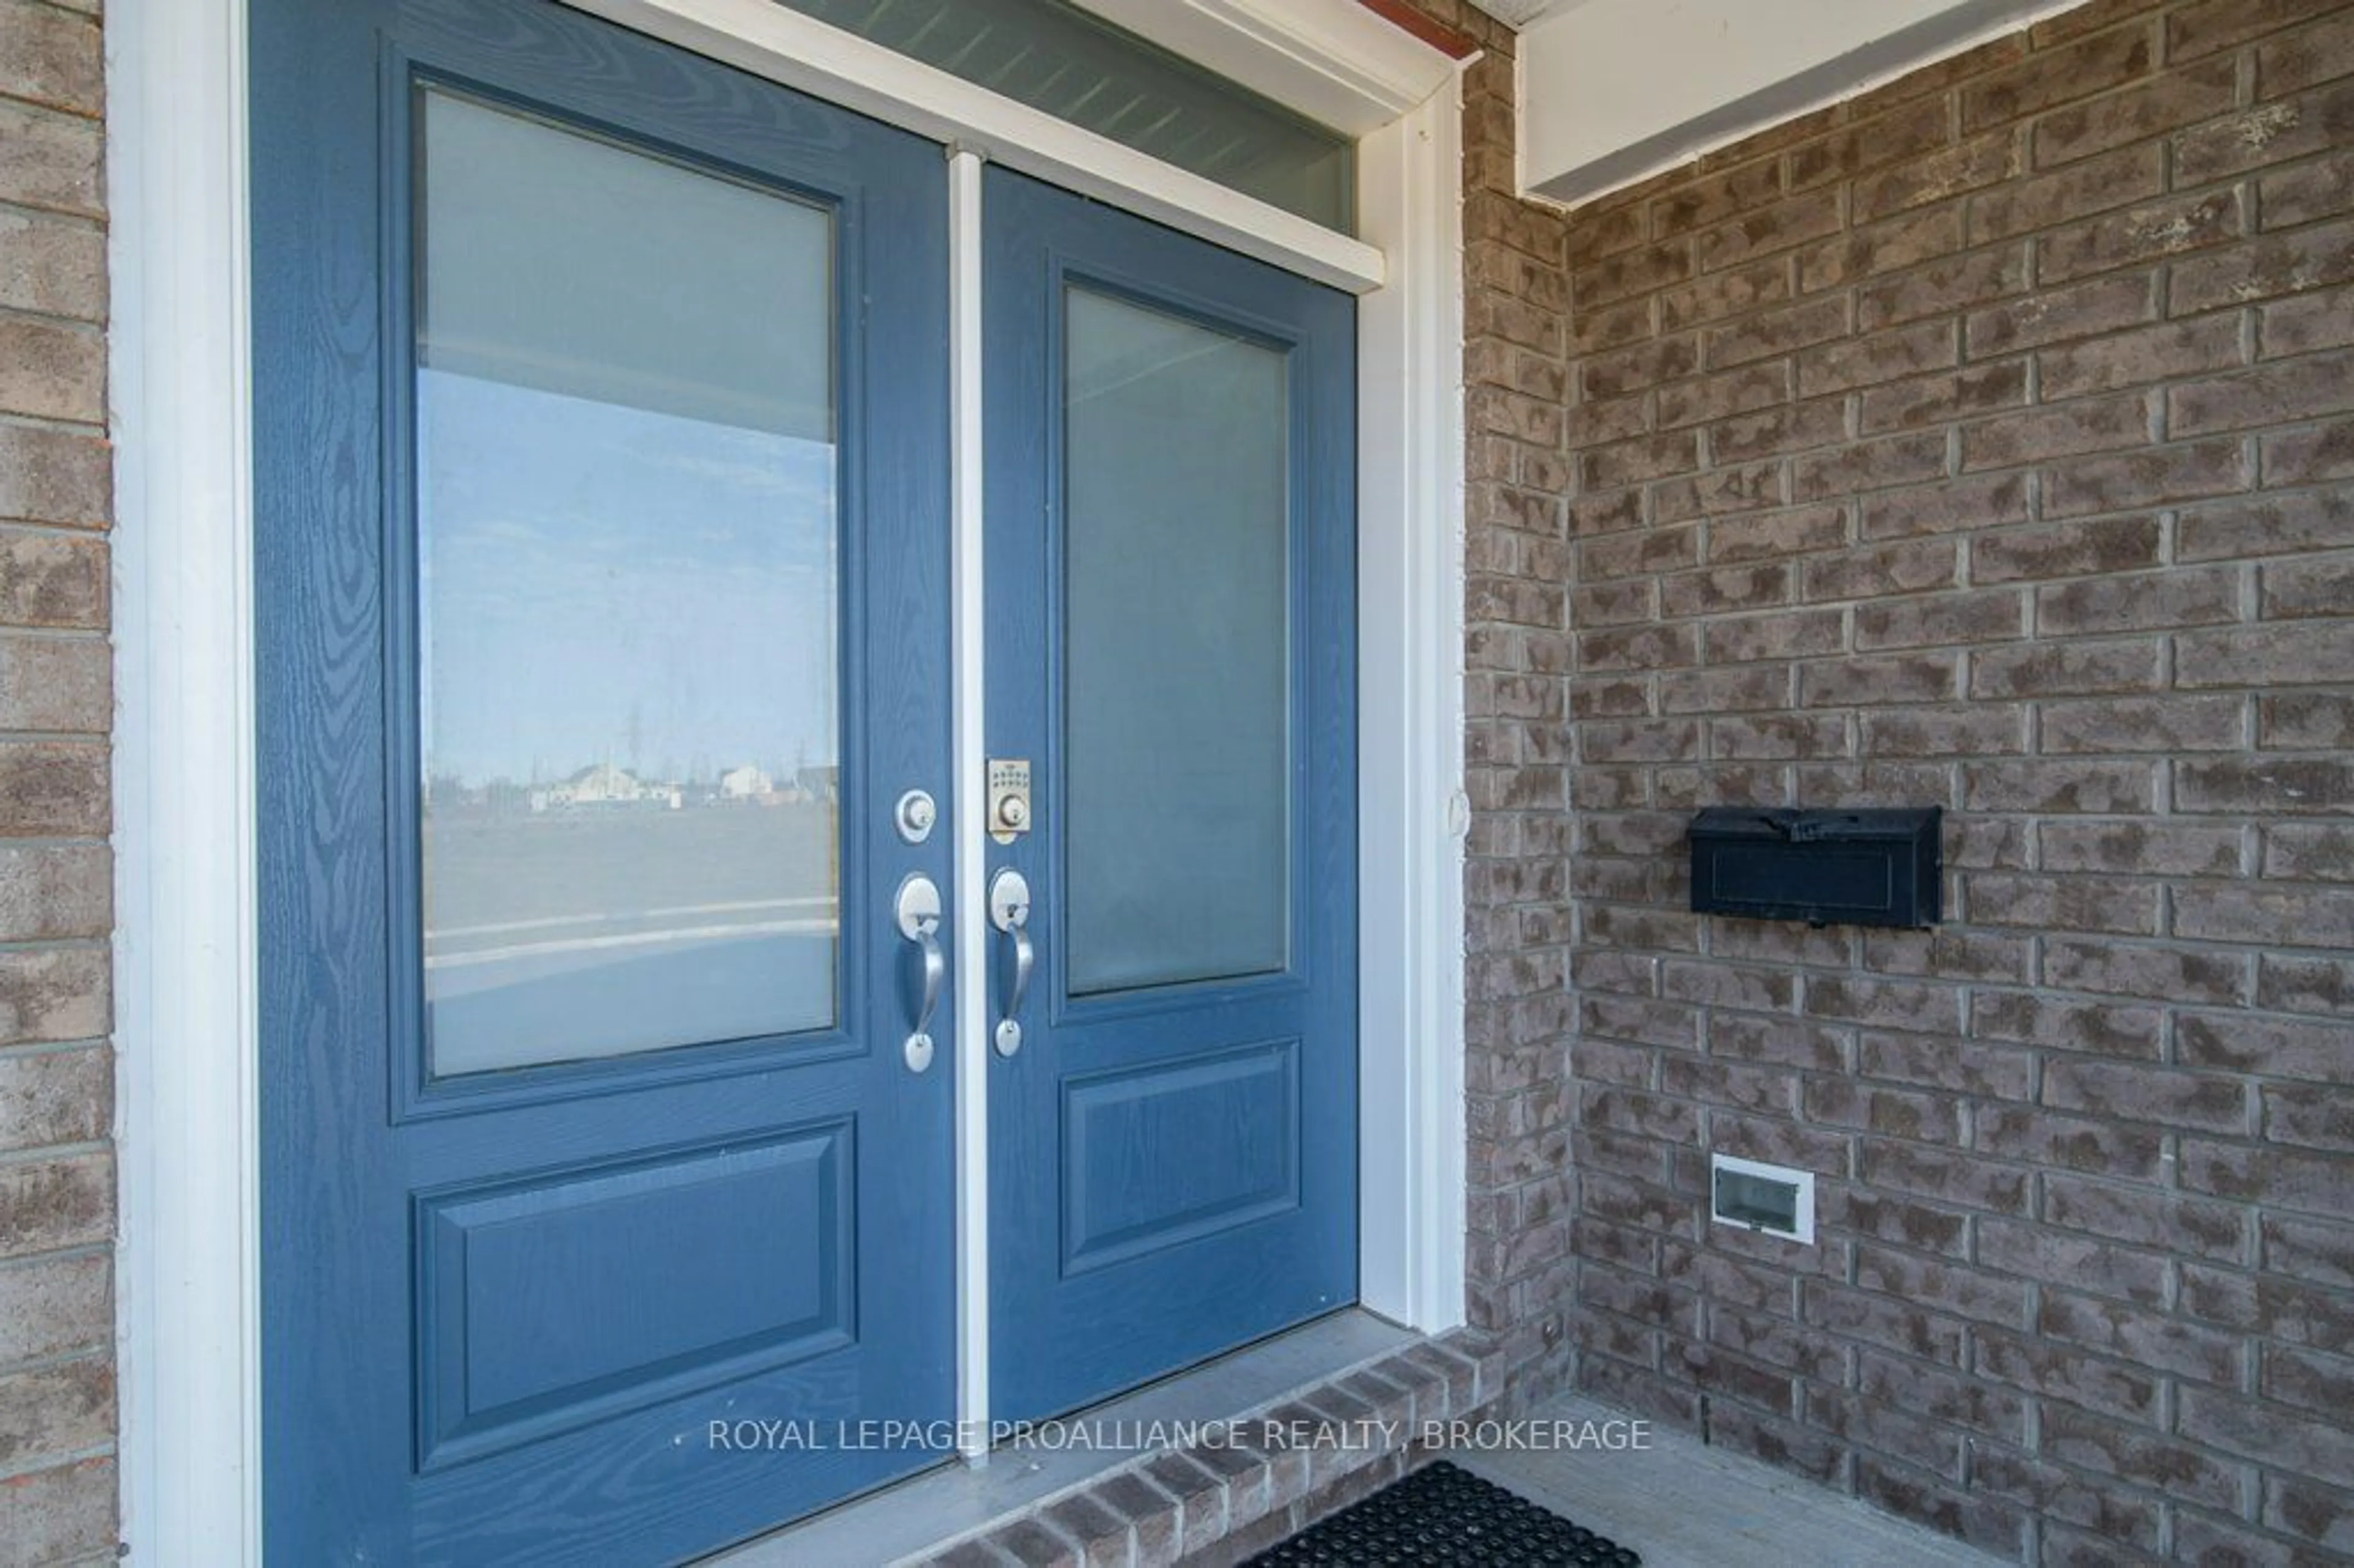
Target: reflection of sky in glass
(599,582)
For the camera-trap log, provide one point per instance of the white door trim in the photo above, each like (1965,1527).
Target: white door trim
(186,1035)
(187,1136)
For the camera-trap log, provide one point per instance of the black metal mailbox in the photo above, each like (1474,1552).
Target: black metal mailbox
(1851,868)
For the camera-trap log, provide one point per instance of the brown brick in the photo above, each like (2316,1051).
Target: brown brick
(54,476)
(1948,284)
(2159,973)
(2270,134)
(56,1307)
(52,1097)
(2063,903)
(55,684)
(2069,429)
(1777,430)
(2152,476)
(1987,617)
(46,1205)
(2278,264)
(2288,982)
(56,1409)
(1976,730)
(1901,678)
(62,1514)
(1777,331)
(2264,1173)
(50,160)
(2265,525)
(1725,589)
(1868,465)
(1905,240)
(2294,918)
(2303,322)
(2264,784)
(2073,549)
(53,789)
(2134,114)
(1848,363)
(2134,173)
(2274,394)
(1696,202)
(2051,315)
(2165,725)
(2037,1252)
(2054,77)
(1932,399)
(2269,1434)
(50,369)
(2321,587)
(1773,534)
(2303,192)
(1969,166)
(2198,30)
(2294,653)
(2314,850)
(2295,720)
(1909,566)
(1980,501)
(2323,52)
(2135,358)
(49,892)
(50,264)
(1764,229)
(2141,234)
(2132,1212)
(2067,669)
(2105,788)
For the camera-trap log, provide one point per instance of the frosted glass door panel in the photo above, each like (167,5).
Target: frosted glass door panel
(629,692)
(1177,672)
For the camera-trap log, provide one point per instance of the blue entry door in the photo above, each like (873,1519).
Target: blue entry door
(602,476)
(1170,520)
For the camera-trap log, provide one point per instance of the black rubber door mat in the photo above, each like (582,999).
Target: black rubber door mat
(1444,1514)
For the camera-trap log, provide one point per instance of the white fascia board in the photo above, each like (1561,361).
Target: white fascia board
(1615,91)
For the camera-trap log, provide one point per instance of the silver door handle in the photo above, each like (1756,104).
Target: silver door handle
(1009,911)
(917,911)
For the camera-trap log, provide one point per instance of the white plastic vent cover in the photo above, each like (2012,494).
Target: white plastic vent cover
(1770,1198)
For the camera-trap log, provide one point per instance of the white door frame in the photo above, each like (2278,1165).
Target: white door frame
(187,1033)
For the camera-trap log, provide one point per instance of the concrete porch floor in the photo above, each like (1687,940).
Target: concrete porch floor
(1683,1504)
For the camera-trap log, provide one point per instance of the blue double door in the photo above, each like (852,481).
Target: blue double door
(604,663)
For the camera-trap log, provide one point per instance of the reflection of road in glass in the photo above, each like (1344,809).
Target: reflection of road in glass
(556,936)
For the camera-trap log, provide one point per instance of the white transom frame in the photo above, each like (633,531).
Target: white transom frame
(188,1296)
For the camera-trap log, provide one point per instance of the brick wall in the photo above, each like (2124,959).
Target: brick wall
(56,1315)
(1984,442)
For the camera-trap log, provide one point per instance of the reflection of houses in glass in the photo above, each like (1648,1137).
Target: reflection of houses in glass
(746,783)
(754,785)
(602,785)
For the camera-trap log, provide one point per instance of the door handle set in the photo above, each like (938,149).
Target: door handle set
(917,911)
(1009,911)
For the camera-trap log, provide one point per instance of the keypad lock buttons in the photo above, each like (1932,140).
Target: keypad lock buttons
(1009,799)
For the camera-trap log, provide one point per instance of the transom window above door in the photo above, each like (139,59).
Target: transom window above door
(1059,57)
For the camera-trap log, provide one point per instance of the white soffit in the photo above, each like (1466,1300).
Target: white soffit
(1333,60)
(1614,92)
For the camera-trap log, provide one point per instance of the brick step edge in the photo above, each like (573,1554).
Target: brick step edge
(1209,1506)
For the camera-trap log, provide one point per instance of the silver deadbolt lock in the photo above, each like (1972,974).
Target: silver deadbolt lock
(1009,798)
(915,815)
